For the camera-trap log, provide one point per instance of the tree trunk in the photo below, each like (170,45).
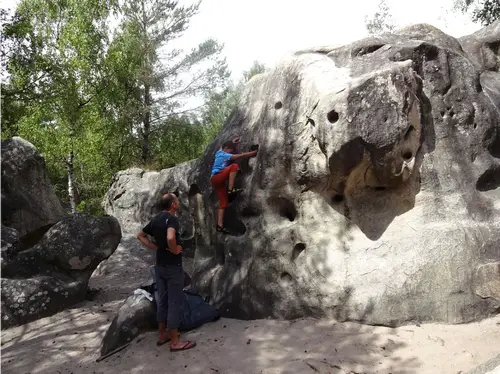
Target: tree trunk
(71,182)
(147,124)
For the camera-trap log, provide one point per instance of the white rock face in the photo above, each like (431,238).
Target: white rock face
(374,195)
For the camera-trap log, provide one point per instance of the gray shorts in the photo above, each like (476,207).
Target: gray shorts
(169,283)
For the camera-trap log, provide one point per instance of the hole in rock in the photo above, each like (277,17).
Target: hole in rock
(409,132)
(452,113)
(297,250)
(338,198)
(220,256)
(193,190)
(119,195)
(278,105)
(332,116)
(442,113)
(407,155)
(233,223)
(432,53)
(494,147)
(33,237)
(380,188)
(479,88)
(475,125)
(284,207)
(489,180)
(311,121)
(285,276)
(366,50)
(249,211)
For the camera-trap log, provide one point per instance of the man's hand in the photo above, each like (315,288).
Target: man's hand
(179,249)
(144,239)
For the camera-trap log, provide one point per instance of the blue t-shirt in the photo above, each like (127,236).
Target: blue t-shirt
(221,161)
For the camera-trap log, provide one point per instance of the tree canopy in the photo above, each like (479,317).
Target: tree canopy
(95,99)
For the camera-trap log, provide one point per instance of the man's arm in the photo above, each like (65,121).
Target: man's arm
(243,155)
(172,242)
(144,239)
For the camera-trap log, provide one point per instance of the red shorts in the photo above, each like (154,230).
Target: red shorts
(218,181)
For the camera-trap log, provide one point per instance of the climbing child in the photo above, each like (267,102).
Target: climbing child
(221,173)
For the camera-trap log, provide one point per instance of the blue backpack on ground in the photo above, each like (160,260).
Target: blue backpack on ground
(195,311)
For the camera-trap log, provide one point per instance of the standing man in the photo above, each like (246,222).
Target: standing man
(164,227)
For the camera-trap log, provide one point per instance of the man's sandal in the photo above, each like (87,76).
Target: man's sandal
(183,346)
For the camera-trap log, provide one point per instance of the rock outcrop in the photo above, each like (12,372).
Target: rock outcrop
(375,193)
(53,275)
(28,200)
(47,256)
(136,315)
(134,196)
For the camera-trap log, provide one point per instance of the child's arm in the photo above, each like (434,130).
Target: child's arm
(243,155)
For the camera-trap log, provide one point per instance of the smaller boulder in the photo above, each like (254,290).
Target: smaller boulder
(10,245)
(138,314)
(28,199)
(53,274)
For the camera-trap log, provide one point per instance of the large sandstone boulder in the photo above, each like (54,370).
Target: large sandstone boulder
(47,256)
(375,194)
(54,274)
(28,200)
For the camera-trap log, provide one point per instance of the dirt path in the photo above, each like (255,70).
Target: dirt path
(69,342)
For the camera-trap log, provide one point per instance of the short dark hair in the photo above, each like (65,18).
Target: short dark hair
(167,200)
(229,144)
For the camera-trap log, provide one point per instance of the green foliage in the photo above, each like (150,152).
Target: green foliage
(257,68)
(483,11)
(56,54)
(165,76)
(220,104)
(381,21)
(180,139)
(111,101)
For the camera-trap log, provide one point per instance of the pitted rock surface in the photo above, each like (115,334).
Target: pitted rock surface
(375,193)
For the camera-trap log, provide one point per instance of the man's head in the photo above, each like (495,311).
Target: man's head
(229,147)
(169,202)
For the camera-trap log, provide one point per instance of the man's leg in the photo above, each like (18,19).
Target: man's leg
(175,305)
(162,304)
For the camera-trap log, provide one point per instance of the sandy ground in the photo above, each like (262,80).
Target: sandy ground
(69,342)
